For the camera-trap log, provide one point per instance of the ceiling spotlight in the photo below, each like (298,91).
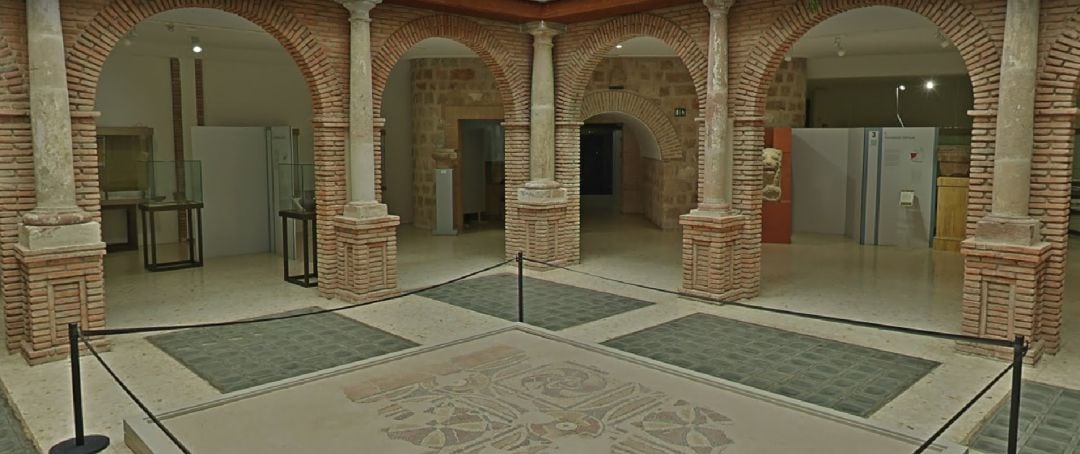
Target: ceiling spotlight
(618,46)
(841,52)
(930,85)
(787,57)
(839,45)
(901,88)
(196,46)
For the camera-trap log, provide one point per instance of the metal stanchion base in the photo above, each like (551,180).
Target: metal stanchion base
(91,445)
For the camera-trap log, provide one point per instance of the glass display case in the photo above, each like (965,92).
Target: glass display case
(170,182)
(296,187)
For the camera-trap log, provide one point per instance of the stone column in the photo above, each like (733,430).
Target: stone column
(712,231)
(542,184)
(60,247)
(543,205)
(361,145)
(365,235)
(716,193)
(1005,262)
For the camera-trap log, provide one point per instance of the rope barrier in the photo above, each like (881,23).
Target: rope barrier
(154,329)
(926,444)
(157,422)
(819,317)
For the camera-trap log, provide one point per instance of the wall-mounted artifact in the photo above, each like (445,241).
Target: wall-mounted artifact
(772,161)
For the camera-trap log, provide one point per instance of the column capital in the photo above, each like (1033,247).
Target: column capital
(359,9)
(718,7)
(543,31)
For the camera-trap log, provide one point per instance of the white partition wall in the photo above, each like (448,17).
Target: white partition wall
(819,180)
(850,181)
(907,164)
(236,189)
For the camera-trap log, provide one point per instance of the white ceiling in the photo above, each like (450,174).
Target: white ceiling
(874,30)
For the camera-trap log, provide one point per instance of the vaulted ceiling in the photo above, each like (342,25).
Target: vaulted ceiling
(565,11)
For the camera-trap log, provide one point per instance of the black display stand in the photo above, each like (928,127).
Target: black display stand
(310,278)
(194,235)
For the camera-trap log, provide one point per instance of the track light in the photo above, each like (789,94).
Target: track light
(930,84)
(196,46)
(838,43)
(902,87)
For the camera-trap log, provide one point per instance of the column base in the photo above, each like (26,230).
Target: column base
(1008,230)
(366,257)
(1003,296)
(61,285)
(364,210)
(543,209)
(711,254)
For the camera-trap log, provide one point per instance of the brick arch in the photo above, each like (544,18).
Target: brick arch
(969,34)
(1057,84)
(12,76)
(87,55)
(591,51)
(641,108)
(510,79)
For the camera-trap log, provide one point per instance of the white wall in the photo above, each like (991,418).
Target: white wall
(819,176)
(242,88)
(398,156)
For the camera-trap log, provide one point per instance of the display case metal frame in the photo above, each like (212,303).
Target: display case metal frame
(194,235)
(310,276)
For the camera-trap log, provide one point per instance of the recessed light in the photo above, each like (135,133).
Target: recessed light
(196,46)
(618,46)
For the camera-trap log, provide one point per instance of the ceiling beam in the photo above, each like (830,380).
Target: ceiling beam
(564,11)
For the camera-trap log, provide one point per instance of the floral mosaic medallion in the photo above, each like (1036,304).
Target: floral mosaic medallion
(499,400)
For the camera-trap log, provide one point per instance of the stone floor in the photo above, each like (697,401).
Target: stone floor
(1049,422)
(13,439)
(909,287)
(547,304)
(837,375)
(236,357)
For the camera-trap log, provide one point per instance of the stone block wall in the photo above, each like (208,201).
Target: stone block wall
(785,106)
(463,86)
(665,84)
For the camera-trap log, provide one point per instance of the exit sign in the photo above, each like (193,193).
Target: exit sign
(680,111)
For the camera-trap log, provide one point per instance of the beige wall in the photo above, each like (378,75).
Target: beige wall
(668,187)
(785,106)
(444,90)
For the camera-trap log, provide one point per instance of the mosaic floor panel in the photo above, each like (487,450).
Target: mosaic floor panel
(515,391)
(547,304)
(237,357)
(844,377)
(1049,422)
(13,439)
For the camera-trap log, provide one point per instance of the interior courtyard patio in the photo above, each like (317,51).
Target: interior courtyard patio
(632,226)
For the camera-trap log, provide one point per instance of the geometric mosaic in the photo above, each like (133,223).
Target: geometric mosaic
(236,357)
(548,304)
(1049,422)
(845,377)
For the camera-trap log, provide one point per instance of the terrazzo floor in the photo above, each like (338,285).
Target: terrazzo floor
(837,375)
(236,357)
(13,439)
(1049,422)
(547,304)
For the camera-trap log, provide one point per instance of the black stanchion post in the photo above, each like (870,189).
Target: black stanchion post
(521,287)
(81,444)
(1014,406)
